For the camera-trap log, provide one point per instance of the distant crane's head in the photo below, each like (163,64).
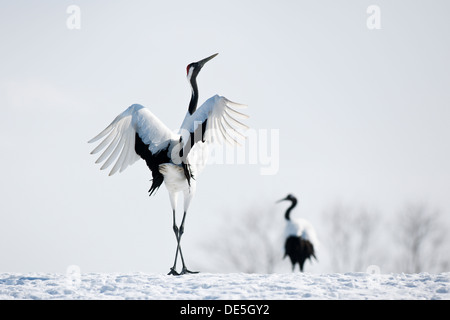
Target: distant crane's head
(290,197)
(293,200)
(194,68)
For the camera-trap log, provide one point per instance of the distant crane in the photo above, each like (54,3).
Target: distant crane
(175,158)
(301,239)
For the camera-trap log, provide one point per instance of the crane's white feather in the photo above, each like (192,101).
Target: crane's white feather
(221,125)
(213,122)
(121,135)
(302,228)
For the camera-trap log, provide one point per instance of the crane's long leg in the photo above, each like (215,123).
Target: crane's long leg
(181,231)
(176,231)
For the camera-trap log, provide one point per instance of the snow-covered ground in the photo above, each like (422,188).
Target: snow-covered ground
(224,286)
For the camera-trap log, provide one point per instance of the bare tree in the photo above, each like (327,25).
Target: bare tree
(351,238)
(249,242)
(420,235)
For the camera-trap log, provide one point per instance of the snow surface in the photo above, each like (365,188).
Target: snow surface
(224,286)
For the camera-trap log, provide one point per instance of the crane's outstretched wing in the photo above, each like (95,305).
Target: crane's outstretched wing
(214,121)
(134,133)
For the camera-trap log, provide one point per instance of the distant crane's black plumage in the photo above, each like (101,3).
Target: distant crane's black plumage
(298,251)
(300,237)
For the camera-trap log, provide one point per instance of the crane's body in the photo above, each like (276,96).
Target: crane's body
(175,158)
(300,237)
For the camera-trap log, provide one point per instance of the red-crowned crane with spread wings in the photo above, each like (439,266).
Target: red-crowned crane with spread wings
(175,158)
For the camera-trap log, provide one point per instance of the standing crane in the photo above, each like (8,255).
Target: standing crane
(175,158)
(301,239)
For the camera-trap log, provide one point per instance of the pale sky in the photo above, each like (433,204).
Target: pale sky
(362,117)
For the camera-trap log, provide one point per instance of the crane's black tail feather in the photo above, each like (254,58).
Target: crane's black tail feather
(298,250)
(187,172)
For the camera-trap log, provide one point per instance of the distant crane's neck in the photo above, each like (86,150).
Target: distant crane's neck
(287,215)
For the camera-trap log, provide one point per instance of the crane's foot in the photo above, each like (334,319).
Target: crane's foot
(186,271)
(173,272)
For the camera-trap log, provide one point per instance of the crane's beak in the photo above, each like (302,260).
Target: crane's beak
(281,200)
(201,63)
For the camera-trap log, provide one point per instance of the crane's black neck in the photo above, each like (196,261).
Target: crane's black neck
(287,215)
(194,97)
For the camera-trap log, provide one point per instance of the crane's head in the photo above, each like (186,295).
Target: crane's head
(194,68)
(289,197)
